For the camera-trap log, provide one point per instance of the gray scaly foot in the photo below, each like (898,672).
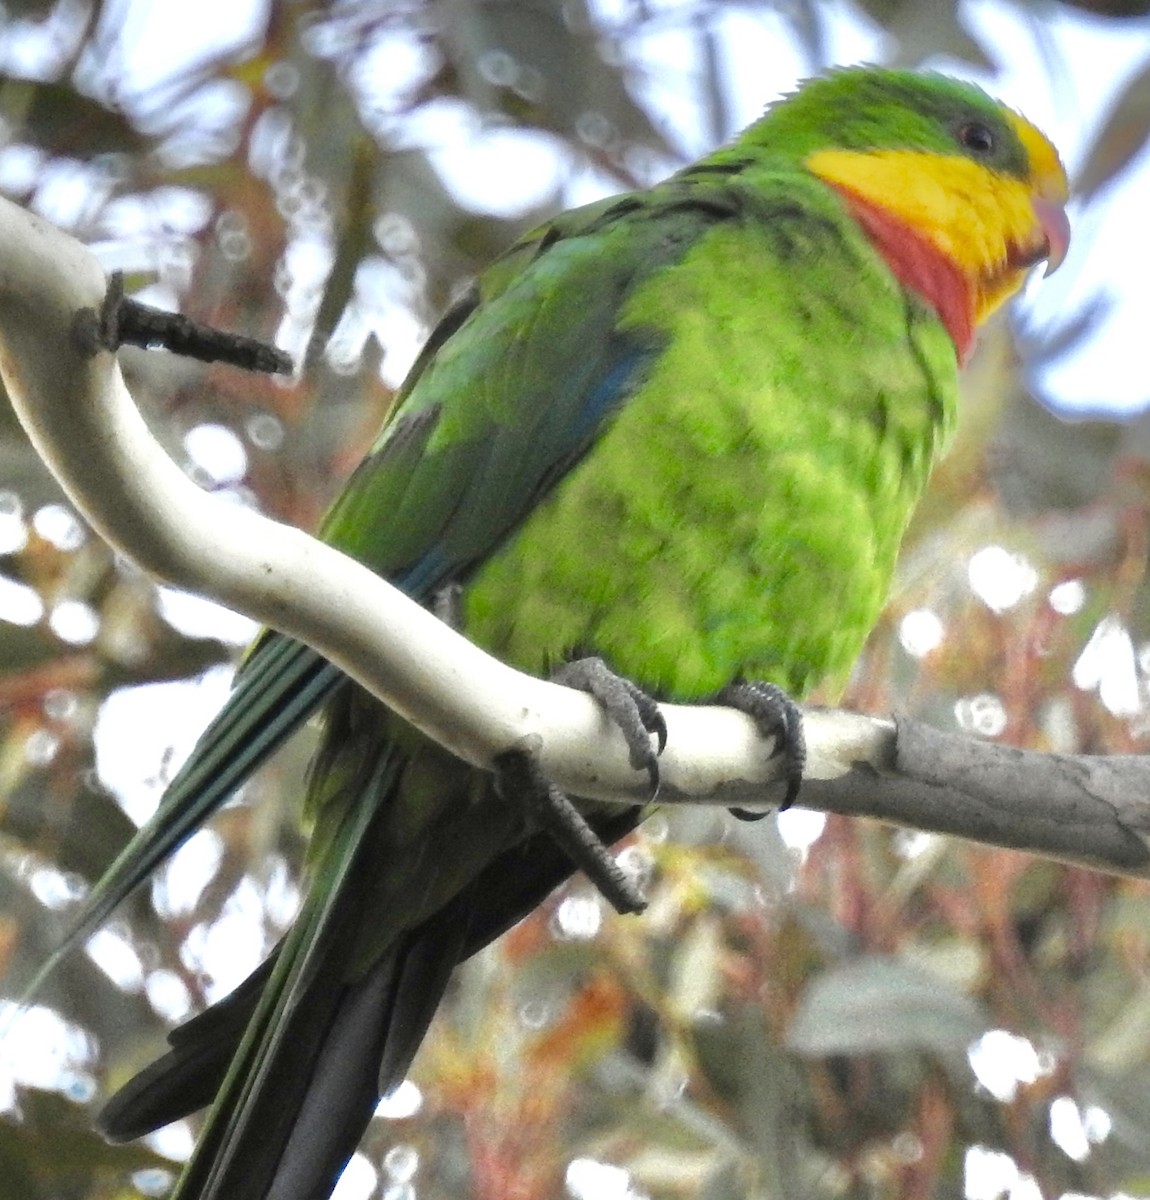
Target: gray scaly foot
(777,716)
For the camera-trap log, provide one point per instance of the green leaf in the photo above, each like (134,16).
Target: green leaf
(875,1004)
(53,1154)
(59,119)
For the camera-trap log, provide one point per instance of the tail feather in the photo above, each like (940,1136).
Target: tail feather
(340,1046)
(341,1093)
(277,690)
(301,1016)
(187,1078)
(511,886)
(231,1013)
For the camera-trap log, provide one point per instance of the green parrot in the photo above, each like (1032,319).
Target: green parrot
(673,438)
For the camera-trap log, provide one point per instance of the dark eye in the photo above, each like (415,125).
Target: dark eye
(977,138)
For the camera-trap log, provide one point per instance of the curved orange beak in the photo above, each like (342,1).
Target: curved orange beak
(1055,225)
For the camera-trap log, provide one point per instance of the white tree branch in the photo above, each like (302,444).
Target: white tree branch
(78,412)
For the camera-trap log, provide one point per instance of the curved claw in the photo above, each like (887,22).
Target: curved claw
(660,732)
(652,765)
(634,713)
(748,814)
(518,777)
(776,716)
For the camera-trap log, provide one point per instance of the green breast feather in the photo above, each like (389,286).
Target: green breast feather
(790,415)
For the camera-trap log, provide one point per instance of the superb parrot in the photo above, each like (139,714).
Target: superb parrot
(681,430)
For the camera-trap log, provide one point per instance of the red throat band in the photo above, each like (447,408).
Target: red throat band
(921,268)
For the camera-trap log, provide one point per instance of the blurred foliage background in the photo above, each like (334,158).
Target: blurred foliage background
(808,1009)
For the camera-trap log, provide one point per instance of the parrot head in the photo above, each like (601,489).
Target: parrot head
(961,195)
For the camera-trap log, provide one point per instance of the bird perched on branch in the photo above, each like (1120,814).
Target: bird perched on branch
(667,444)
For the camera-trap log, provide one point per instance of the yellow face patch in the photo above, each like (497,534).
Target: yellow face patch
(983,221)
(1046,170)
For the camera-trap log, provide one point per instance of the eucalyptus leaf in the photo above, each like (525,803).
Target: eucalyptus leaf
(874,1004)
